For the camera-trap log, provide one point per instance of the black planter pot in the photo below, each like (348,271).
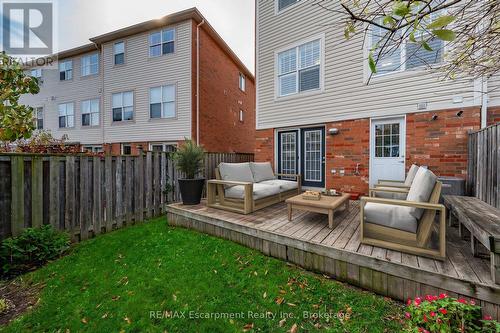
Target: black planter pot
(191,190)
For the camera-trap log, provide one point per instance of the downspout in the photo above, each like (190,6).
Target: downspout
(484,103)
(198,81)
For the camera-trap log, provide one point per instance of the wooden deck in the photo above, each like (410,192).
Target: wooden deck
(308,242)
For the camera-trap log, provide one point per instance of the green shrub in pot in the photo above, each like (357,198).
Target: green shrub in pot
(190,160)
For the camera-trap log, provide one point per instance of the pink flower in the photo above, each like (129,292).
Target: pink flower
(417,301)
(429,298)
(425,318)
(472,302)
(420,329)
(487,317)
(433,314)
(408,302)
(407,315)
(442,295)
(443,311)
(461,300)
(439,321)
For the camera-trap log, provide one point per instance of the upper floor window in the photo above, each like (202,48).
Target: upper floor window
(90,64)
(123,106)
(282,4)
(162,102)
(161,42)
(119,53)
(90,112)
(241,82)
(299,69)
(66,115)
(39,118)
(36,73)
(66,70)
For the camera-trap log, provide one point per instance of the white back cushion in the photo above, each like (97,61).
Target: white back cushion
(262,171)
(421,189)
(239,172)
(411,175)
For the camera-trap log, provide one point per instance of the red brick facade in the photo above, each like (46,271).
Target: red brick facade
(493,115)
(440,144)
(221,100)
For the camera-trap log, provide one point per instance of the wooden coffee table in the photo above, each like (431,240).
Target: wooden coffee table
(327,205)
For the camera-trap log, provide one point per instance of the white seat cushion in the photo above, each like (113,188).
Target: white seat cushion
(390,195)
(421,189)
(239,172)
(262,171)
(259,191)
(285,185)
(411,174)
(392,216)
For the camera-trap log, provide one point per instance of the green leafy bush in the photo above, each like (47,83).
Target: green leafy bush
(32,248)
(190,158)
(446,314)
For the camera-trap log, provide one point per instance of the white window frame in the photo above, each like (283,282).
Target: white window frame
(115,54)
(66,70)
(36,73)
(277,9)
(241,116)
(92,148)
(163,145)
(123,106)
(89,66)
(296,45)
(242,82)
(91,112)
(66,115)
(163,102)
(37,110)
(174,40)
(122,148)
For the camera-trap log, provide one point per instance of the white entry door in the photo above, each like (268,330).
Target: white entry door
(387,149)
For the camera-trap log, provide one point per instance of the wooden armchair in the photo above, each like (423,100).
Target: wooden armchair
(247,197)
(402,235)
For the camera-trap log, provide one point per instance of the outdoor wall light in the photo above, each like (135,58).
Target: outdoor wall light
(333,131)
(434,117)
(460,113)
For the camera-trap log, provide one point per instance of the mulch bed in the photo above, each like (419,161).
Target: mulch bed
(19,297)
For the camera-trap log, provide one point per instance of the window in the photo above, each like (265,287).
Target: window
(36,73)
(90,112)
(299,68)
(162,102)
(123,106)
(282,4)
(90,64)
(387,140)
(126,149)
(241,82)
(119,52)
(161,42)
(66,115)
(66,70)
(409,55)
(92,149)
(241,116)
(163,147)
(39,118)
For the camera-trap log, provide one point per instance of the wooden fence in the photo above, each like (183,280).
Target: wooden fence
(483,169)
(86,195)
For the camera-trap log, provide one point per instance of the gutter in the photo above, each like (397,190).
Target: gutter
(198,81)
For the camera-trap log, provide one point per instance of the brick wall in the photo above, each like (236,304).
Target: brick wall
(493,115)
(441,144)
(221,101)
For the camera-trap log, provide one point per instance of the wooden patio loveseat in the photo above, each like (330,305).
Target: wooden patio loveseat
(406,225)
(246,187)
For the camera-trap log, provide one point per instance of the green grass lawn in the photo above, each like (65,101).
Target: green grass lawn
(125,280)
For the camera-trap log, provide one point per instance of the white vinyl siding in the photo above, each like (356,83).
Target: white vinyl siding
(67,115)
(90,112)
(90,64)
(123,106)
(299,68)
(162,102)
(161,42)
(66,70)
(345,93)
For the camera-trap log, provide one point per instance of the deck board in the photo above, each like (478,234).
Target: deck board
(311,230)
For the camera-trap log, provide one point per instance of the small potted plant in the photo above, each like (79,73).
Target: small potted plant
(189,159)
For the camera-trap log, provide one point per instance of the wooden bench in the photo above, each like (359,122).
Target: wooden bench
(483,223)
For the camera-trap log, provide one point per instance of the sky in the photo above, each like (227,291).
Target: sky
(234,20)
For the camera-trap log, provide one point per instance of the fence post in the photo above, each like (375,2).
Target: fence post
(36,191)
(17,203)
